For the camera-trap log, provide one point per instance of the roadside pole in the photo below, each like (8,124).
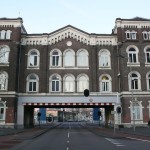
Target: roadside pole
(113,113)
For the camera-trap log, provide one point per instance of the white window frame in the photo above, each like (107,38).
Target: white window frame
(147,53)
(8,34)
(82,82)
(59,56)
(69,62)
(148,80)
(132,55)
(56,81)
(104,58)
(4,80)
(82,58)
(105,85)
(69,84)
(133,81)
(36,81)
(136,111)
(145,35)
(3,35)
(4,55)
(131,34)
(128,36)
(34,56)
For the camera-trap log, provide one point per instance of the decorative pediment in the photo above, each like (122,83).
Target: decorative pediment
(68,32)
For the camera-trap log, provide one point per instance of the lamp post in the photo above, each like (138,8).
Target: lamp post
(131,88)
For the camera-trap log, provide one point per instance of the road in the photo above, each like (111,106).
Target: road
(73,136)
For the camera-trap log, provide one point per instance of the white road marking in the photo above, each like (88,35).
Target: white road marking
(113,141)
(138,139)
(68,134)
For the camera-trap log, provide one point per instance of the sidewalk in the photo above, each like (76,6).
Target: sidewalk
(26,133)
(143,131)
(139,131)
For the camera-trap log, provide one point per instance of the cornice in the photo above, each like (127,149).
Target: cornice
(68,32)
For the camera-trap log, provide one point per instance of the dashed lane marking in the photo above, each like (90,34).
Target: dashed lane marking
(138,139)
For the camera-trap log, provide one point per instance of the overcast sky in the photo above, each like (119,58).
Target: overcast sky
(92,16)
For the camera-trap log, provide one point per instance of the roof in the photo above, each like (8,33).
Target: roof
(134,19)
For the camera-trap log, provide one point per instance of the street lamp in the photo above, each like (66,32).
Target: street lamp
(131,85)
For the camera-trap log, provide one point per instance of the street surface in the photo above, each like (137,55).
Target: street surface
(74,136)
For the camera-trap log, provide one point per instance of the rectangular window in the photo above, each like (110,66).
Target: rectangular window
(32,86)
(35,60)
(128,35)
(55,61)
(134,84)
(148,57)
(132,58)
(53,85)
(57,85)
(133,36)
(105,86)
(136,114)
(1,113)
(145,36)
(1,110)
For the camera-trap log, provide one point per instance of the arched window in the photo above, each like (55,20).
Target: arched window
(33,58)
(3,34)
(69,58)
(4,54)
(148,80)
(8,34)
(136,110)
(82,58)
(147,54)
(55,58)
(55,83)
(69,83)
(134,81)
(82,82)
(3,81)
(2,110)
(104,58)
(32,83)
(105,83)
(132,54)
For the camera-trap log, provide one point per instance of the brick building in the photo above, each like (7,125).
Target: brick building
(53,69)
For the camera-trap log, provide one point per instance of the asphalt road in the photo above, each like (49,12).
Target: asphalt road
(73,136)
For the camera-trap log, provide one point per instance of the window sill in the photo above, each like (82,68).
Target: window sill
(69,68)
(30,92)
(147,64)
(33,68)
(104,67)
(3,91)
(4,64)
(129,64)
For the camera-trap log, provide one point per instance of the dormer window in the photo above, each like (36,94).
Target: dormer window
(131,34)
(146,35)
(5,34)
